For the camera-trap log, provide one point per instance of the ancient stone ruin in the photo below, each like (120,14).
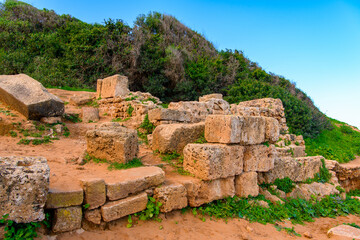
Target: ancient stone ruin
(243,145)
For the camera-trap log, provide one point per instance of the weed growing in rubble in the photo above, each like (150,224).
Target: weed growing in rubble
(290,231)
(147,126)
(74,118)
(130,110)
(322,176)
(201,139)
(19,231)
(152,211)
(120,119)
(175,160)
(285,184)
(352,225)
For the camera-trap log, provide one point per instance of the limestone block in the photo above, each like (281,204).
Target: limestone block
(171,196)
(112,142)
(82,99)
(174,137)
(213,161)
(90,114)
(58,198)
(94,192)
(93,216)
(200,192)
(223,128)
(67,219)
(319,190)
(121,208)
(134,180)
(259,158)
(297,169)
(114,86)
(206,98)
(272,129)
(246,184)
(24,184)
(165,114)
(29,97)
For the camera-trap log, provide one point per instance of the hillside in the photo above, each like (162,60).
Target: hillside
(159,55)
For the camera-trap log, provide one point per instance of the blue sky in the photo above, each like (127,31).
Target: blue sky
(314,43)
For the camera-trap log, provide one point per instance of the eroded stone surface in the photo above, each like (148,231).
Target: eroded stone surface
(112,142)
(159,115)
(67,219)
(297,169)
(272,130)
(57,198)
(259,158)
(246,184)
(134,181)
(121,208)
(172,197)
(29,97)
(319,190)
(94,192)
(207,97)
(93,216)
(82,99)
(174,137)
(114,86)
(344,231)
(90,114)
(24,184)
(213,161)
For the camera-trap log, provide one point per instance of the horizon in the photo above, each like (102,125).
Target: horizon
(313,44)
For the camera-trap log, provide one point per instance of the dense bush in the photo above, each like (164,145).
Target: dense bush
(159,55)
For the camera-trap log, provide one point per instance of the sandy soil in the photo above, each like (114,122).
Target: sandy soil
(62,156)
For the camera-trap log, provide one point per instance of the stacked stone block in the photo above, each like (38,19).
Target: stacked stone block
(238,149)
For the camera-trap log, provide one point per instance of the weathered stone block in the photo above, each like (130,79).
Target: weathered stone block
(206,98)
(259,158)
(118,209)
(223,128)
(272,130)
(24,184)
(298,169)
(29,97)
(90,114)
(112,142)
(200,192)
(134,181)
(82,99)
(114,86)
(213,161)
(67,219)
(94,192)
(319,190)
(174,137)
(246,184)
(58,198)
(165,114)
(171,196)
(93,216)
(235,129)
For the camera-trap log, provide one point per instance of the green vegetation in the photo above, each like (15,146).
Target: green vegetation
(341,144)
(323,176)
(130,110)
(352,225)
(297,211)
(147,126)
(120,119)
(285,184)
(151,212)
(201,139)
(290,231)
(17,231)
(175,160)
(159,55)
(74,118)
(114,165)
(13,133)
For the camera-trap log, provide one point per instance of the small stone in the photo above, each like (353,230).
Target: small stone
(308,235)
(171,196)
(59,128)
(94,192)
(67,219)
(50,120)
(249,229)
(80,231)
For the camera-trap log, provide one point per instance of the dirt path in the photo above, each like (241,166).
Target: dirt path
(177,226)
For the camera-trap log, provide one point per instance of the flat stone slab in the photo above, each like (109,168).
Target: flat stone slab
(29,97)
(213,161)
(24,184)
(57,198)
(121,208)
(133,181)
(344,231)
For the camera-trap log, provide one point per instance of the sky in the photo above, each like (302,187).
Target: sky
(314,43)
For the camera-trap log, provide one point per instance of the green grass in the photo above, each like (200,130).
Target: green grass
(175,160)
(341,144)
(120,119)
(352,225)
(77,89)
(114,165)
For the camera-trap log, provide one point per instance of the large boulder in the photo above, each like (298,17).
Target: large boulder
(213,161)
(112,142)
(29,97)
(114,86)
(24,184)
(174,137)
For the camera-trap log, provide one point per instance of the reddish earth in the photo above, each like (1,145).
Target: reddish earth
(65,174)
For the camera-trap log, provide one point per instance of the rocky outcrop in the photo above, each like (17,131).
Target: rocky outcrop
(174,137)
(24,184)
(29,97)
(112,142)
